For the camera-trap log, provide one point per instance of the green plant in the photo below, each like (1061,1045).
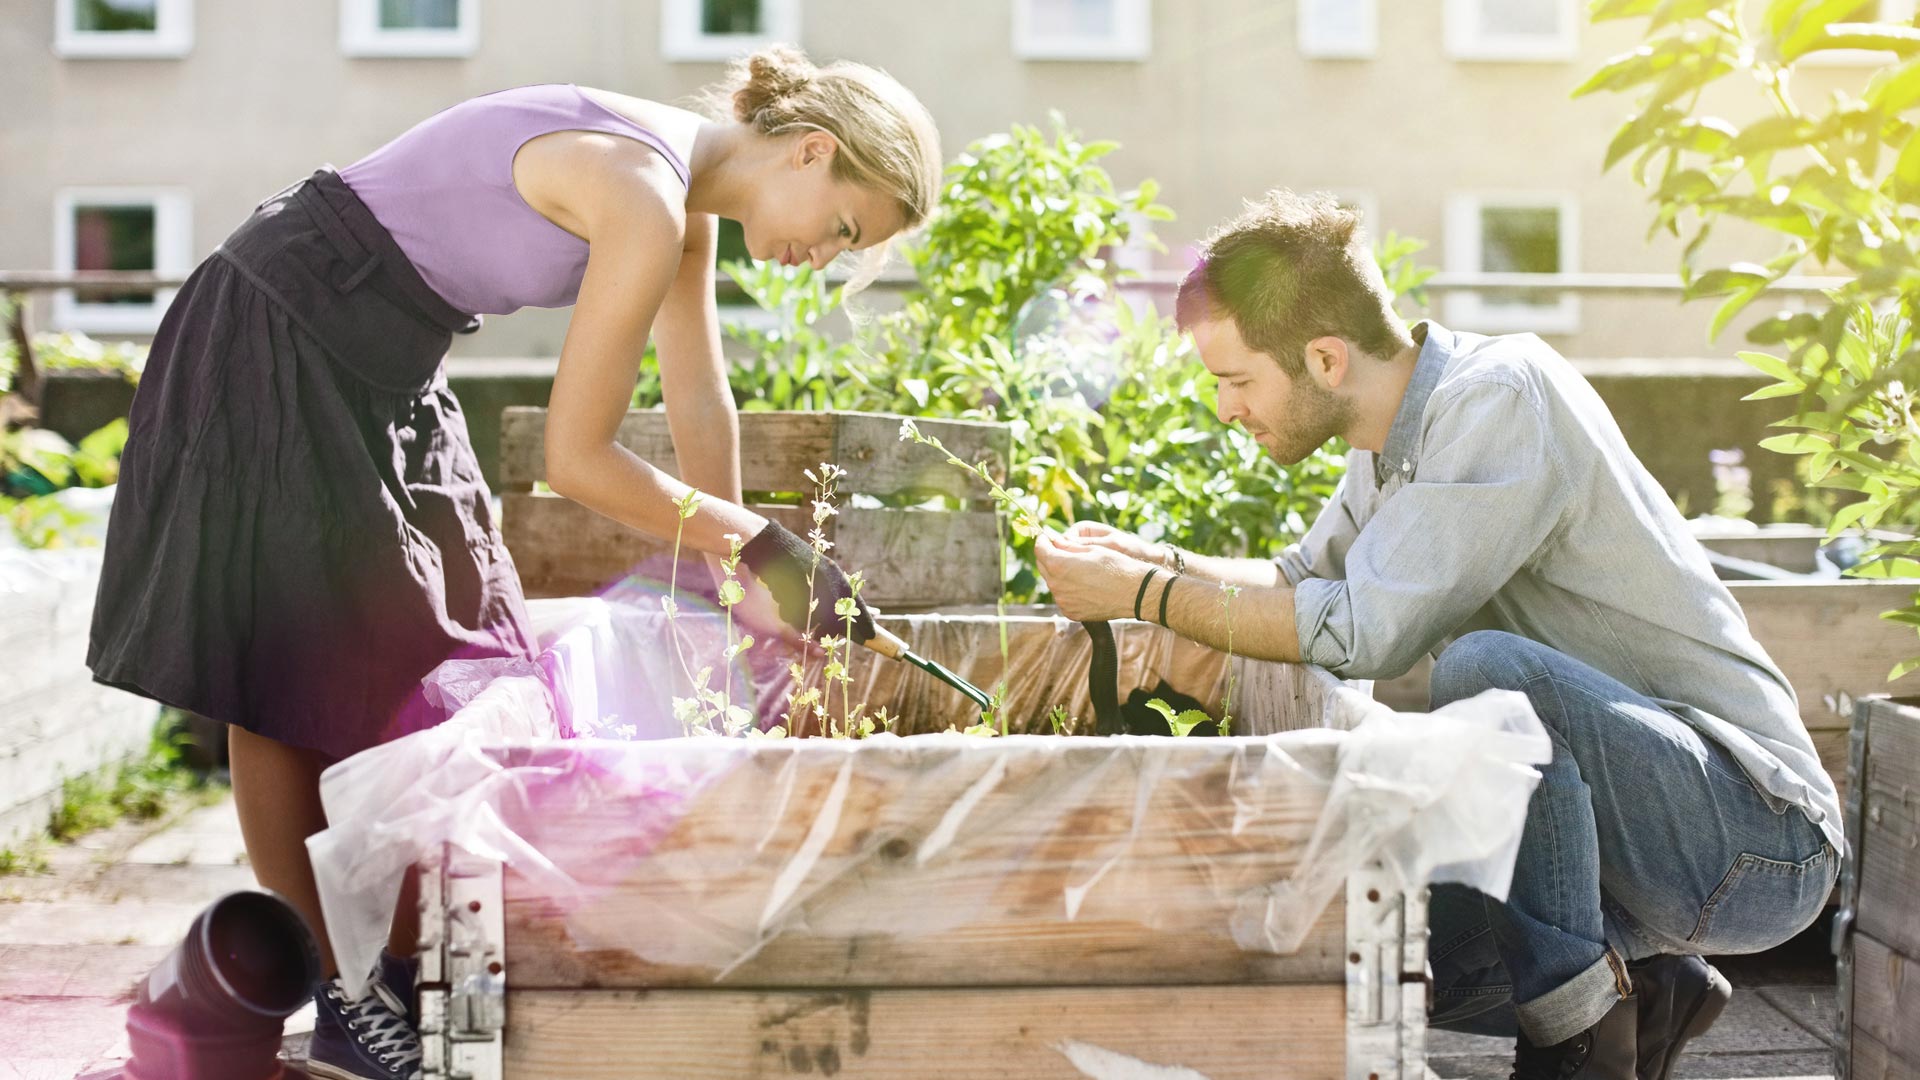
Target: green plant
(1837,187)
(1183,722)
(141,789)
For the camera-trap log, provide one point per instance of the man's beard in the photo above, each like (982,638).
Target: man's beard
(1314,417)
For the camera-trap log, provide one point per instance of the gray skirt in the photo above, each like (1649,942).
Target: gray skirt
(301,531)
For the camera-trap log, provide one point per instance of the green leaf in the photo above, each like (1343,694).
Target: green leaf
(1777,390)
(1797,443)
(1906,170)
(1873,37)
(1769,365)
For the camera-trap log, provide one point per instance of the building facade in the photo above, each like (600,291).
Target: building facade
(137,133)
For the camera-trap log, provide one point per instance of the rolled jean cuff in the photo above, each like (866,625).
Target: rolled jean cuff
(1577,1004)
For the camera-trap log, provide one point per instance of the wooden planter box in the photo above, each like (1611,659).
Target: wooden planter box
(915,558)
(1877,933)
(940,906)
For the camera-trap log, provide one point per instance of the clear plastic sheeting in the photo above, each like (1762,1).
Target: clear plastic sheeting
(691,860)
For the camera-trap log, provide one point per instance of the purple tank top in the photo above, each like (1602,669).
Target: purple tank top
(444,189)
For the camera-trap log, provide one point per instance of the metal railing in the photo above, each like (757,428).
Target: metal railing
(21,283)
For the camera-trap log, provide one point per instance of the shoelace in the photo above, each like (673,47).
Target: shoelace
(383,1019)
(1532,1062)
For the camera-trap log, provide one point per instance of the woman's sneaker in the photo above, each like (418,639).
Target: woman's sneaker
(402,976)
(364,1039)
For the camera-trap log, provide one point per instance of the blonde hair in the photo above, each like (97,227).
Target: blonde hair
(888,142)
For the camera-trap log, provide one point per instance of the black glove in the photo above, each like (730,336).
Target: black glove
(781,561)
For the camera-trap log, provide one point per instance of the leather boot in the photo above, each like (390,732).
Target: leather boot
(1680,997)
(1605,1051)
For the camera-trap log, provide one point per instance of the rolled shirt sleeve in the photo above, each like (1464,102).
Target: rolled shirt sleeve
(1486,496)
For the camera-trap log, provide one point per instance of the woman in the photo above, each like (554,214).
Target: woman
(301,531)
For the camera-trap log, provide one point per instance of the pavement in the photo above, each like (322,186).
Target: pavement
(76,938)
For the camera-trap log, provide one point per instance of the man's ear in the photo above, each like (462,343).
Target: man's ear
(1327,362)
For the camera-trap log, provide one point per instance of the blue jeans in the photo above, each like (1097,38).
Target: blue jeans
(1644,837)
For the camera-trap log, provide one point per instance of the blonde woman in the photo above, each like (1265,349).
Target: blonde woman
(301,531)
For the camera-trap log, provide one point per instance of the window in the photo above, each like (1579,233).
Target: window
(1082,29)
(1339,29)
(723,29)
(1512,29)
(123,28)
(1900,12)
(1513,234)
(409,28)
(119,229)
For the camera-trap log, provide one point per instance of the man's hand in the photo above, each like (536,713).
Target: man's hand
(1090,582)
(1094,534)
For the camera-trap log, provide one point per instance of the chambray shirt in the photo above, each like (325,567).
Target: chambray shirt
(1506,495)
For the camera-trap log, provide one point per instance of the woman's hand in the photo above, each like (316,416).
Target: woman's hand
(782,563)
(1091,582)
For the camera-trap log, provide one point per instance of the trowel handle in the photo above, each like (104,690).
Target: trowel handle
(887,644)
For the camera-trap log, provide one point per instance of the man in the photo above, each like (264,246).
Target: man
(1684,810)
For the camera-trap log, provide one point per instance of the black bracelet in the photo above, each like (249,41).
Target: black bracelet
(1164,593)
(1142,594)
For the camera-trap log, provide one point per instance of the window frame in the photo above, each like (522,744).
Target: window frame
(1315,46)
(1465,242)
(172,255)
(362,36)
(1466,40)
(171,37)
(681,38)
(1132,37)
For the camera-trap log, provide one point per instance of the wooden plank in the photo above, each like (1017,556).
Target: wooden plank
(1870,1060)
(1889,856)
(912,559)
(1179,1033)
(776,448)
(1886,996)
(1078,859)
(1832,747)
(1829,637)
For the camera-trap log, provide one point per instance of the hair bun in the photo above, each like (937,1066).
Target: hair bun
(769,76)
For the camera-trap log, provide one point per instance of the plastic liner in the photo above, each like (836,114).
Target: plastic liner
(695,854)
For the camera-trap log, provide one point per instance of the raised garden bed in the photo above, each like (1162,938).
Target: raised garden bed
(1877,934)
(936,906)
(915,557)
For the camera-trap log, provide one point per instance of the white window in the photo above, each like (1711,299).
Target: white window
(123,28)
(1899,12)
(119,229)
(1339,29)
(1082,29)
(409,28)
(723,29)
(1516,233)
(1512,29)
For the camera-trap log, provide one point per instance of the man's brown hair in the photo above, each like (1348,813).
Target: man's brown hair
(1289,269)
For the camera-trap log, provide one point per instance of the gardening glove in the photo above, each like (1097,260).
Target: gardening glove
(781,561)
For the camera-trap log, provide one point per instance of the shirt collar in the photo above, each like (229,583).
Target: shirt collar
(1402,448)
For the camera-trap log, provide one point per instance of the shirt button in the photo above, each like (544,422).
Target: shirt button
(1406,466)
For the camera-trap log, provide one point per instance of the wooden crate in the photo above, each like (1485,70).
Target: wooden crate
(1877,931)
(913,950)
(914,558)
(929,932)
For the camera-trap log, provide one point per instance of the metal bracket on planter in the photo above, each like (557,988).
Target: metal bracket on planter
(463,974)
(1850,888)
(1386,977)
